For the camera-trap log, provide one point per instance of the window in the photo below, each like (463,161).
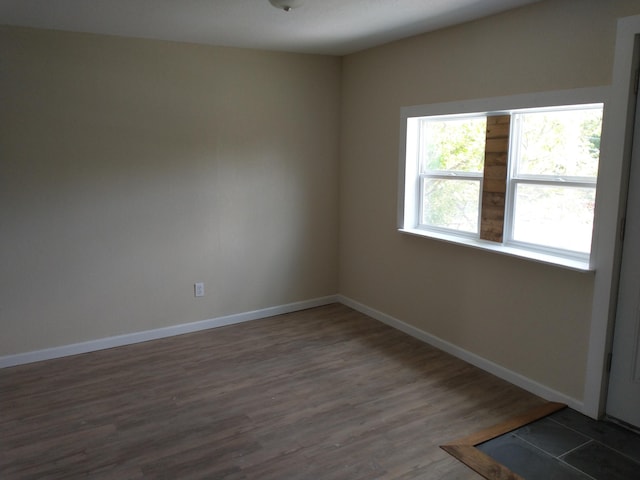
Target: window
(451,164)
(554,168)
(517,180)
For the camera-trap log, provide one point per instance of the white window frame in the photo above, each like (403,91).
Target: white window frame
(514,179)
(409,178)
(446,175)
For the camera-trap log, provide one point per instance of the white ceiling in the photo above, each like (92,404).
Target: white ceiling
(334,27)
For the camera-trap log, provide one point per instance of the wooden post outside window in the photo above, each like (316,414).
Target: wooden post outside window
(494,188)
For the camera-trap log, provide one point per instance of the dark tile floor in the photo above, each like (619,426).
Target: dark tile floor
(568,445)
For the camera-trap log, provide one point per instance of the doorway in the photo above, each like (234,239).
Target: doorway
(623,401)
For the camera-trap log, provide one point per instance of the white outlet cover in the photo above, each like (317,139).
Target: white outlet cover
(198,289)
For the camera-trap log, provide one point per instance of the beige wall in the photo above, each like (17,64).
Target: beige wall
(530,318)
(130,169)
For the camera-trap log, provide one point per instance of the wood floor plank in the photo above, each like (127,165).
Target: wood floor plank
(325,393)
(513,423)
(481,463)
(464,449)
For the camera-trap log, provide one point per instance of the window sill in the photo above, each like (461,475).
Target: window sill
(571,264)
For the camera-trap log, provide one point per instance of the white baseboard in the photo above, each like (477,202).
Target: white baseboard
(480,362)
(137,337)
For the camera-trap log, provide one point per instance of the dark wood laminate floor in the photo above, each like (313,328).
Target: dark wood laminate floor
(326,393)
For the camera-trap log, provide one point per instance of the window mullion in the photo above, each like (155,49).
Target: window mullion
(555,182)
(451,175)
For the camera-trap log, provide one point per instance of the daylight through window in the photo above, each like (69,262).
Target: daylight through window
(521,178)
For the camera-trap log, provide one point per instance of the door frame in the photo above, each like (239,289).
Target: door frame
(613,179)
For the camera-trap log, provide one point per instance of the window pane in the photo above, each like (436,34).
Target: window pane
(563,143)
(450,204)
(456,145)
(558,217)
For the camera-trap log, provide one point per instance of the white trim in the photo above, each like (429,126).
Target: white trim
(510,250)
(144,336)
(137,337)
(615,153)
(509,103)
(409,198)
(480,362)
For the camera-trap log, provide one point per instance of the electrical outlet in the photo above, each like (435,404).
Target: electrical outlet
(198,289)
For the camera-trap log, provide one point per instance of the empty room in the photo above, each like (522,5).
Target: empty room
(305,239)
